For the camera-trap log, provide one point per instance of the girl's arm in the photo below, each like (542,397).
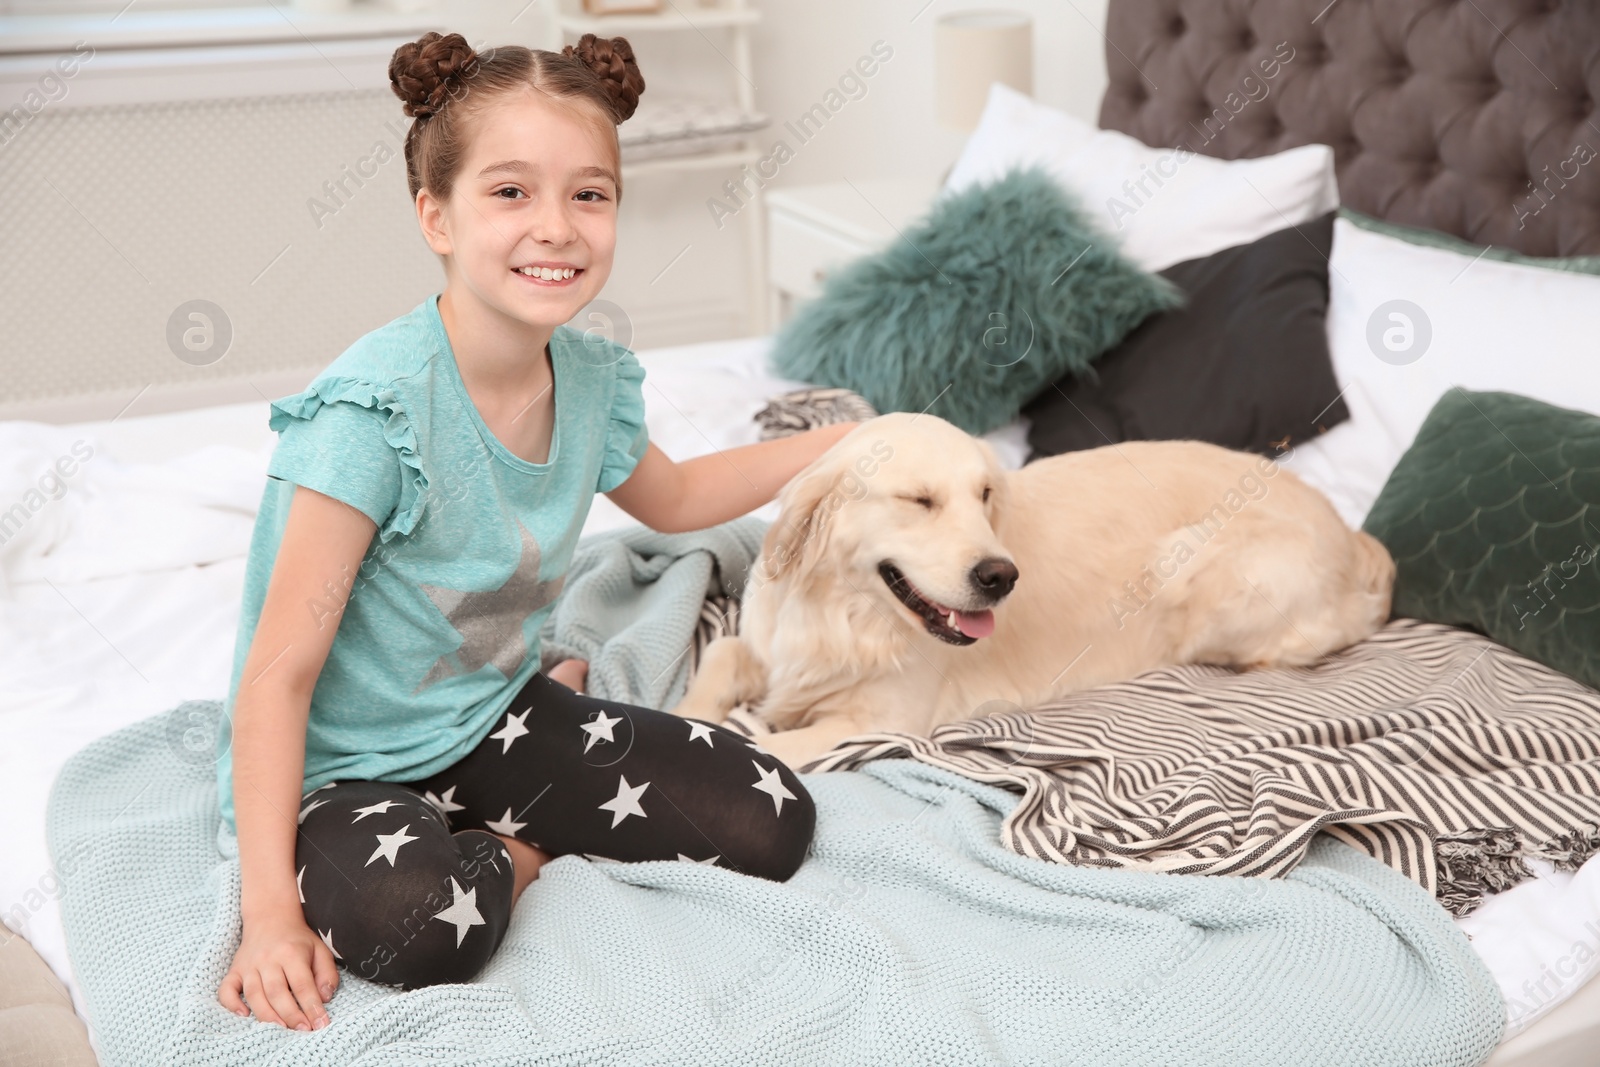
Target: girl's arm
(677,497)
(282,968)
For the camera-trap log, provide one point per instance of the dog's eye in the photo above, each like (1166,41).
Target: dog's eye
(925,501)
(986,494)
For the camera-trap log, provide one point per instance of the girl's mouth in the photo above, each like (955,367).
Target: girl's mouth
(553,277)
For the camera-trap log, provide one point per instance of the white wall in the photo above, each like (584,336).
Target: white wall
(207,193)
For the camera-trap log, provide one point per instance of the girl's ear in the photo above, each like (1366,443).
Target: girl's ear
(800,535)
(430,217)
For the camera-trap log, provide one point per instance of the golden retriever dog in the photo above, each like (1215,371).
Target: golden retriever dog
(910,580)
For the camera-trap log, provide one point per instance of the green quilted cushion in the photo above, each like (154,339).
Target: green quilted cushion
(1493,519)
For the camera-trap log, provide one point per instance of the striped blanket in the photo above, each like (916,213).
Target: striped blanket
(1446,756)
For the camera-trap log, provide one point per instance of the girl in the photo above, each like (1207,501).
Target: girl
(400,767)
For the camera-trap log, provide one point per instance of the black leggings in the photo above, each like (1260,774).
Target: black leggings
(408,885)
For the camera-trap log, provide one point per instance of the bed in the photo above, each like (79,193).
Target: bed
(151,623)
(118,675)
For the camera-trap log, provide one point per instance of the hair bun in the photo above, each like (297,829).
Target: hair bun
(612,61)
(422,72)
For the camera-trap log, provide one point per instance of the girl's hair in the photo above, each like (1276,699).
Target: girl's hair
(443,82)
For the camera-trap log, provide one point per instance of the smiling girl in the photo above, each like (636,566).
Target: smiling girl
(400,767)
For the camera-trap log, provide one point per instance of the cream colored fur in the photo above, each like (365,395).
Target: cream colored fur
(1129,557)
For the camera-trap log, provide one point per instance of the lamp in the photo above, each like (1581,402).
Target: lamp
(971,50)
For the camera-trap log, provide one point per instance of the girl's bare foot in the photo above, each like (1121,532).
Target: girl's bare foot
(525,862)
(571,673)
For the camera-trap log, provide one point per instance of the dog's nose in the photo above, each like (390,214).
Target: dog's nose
(994,577)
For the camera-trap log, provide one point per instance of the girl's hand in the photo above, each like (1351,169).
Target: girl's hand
(285,972)
(701,492)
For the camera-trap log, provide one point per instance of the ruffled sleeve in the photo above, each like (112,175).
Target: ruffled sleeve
(398,432)
(626,434)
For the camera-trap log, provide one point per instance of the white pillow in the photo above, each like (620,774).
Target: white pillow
(1480,324)
(1190,205)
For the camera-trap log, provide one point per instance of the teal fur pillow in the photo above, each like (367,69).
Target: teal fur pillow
(998,292)
(1493,519)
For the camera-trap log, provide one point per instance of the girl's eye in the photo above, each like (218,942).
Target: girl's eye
(508,189)
(595,194)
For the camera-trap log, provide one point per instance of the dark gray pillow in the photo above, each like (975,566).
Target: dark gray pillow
(1243,364)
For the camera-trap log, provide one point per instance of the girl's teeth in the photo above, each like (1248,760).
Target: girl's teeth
(548,274)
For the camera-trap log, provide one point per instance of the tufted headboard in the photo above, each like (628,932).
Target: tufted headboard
(1474,117)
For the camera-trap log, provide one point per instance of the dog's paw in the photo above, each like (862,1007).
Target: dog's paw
(742,720)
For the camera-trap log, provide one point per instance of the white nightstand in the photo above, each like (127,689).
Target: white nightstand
(813,228)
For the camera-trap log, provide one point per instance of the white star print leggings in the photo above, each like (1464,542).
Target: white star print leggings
(408,886)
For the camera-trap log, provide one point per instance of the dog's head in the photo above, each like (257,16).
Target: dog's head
(905,509)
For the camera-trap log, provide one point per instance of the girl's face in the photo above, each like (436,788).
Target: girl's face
(531,224)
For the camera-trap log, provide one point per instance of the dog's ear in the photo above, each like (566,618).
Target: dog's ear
(800,533)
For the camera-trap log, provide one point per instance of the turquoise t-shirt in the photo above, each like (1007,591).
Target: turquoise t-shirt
(439,627)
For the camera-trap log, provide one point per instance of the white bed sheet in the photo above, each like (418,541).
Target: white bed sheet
(124,595)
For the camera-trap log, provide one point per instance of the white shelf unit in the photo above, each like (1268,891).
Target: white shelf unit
(729,152)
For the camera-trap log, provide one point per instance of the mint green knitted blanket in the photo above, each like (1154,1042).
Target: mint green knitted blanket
(909,936)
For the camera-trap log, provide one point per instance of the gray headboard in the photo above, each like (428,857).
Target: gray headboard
(1474,117)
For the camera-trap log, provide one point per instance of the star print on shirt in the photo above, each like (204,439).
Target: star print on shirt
(389,845)
(463,911)
(599,728)
(771,784)
(700,731)
(626,802)
(298,888)
(491,621)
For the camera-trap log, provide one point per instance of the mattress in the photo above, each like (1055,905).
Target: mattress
(121,599)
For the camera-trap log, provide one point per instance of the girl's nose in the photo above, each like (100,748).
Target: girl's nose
(552,225)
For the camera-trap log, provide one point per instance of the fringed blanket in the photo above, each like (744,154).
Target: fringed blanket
(1446,756)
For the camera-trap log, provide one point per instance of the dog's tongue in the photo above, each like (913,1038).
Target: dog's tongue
(975,623)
